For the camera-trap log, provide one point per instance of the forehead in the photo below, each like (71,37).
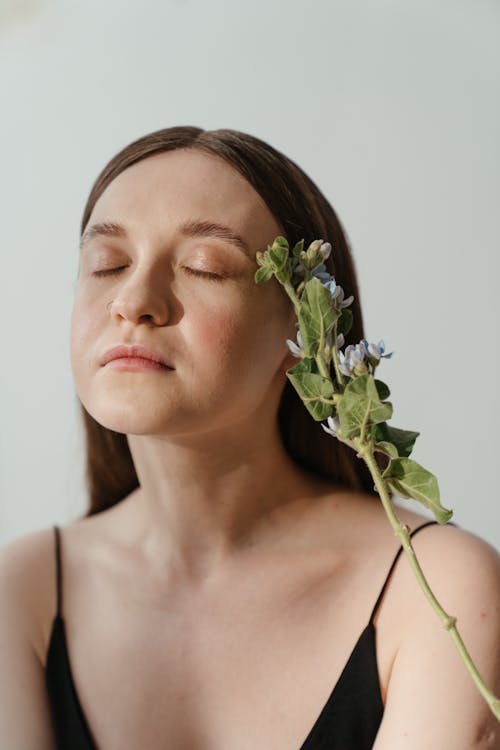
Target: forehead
(170,188)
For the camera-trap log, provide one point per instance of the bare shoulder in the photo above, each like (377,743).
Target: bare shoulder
(25,719)
(463,572)
(461,566)
(24,559)
(27,582)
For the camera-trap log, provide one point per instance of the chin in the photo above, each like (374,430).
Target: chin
(140,419)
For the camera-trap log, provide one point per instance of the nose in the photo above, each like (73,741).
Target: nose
(139,304)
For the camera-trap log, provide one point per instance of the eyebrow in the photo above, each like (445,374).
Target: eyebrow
(192,228)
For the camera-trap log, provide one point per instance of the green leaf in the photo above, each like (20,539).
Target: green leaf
(403,440)
(280,240)
(408,479)
(312,388)
(316,315)
(382,390)
(297,249)
(388,448)
(278,254)
(344,322)
(263,275)
(360,406)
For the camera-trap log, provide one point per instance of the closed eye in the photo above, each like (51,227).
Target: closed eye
(108,271)
(209,274)
(193,271)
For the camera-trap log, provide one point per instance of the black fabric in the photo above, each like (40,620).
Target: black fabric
(70,725)
(349,719)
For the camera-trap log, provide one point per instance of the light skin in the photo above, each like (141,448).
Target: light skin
(204,436)
(280,569)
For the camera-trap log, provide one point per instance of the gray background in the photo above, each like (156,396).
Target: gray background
(391,107)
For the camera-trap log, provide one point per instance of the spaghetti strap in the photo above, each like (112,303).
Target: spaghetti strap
(400,550)
(58,570)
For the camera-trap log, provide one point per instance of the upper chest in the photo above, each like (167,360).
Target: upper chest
(249,665)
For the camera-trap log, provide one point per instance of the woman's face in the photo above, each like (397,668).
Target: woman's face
(225,337)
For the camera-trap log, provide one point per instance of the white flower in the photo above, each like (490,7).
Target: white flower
(333,426)
(355,359)
(351,359)
(338,296)
(375,351)
(340,340)
(296,348)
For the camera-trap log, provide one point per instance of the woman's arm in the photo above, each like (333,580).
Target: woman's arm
(25,722)
(432,702)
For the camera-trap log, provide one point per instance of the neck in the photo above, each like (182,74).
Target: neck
(205,500)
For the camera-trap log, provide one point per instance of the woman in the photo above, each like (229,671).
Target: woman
(224,574)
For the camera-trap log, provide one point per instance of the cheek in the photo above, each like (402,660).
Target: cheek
(236,339)
(216,335)
(85,330)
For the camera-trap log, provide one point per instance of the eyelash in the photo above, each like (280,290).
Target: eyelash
(194,272)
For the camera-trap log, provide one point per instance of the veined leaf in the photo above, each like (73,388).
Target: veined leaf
(409,479)
(403,440)
(388,448)
(312,387)
(263,274)
(360,406)
(279,255)
(344,322)
(316,315)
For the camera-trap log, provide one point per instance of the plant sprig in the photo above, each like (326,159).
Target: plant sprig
(340,387)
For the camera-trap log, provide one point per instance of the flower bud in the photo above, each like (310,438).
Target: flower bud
(325,250)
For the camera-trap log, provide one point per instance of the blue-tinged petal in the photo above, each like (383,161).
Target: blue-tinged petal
(358,354)
(299,269)
(321,273)
(330,284)
(373,351)
(382,349)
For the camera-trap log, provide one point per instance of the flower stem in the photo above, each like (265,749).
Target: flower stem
(291,293)
(323,368)
(364,450)
(335,356)
(449,622)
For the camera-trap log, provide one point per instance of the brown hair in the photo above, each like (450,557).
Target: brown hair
(303,212)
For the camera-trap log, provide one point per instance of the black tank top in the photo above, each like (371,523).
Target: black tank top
(349,720)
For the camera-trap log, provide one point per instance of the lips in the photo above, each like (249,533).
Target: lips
(136,350)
